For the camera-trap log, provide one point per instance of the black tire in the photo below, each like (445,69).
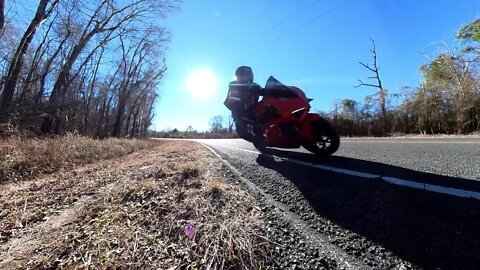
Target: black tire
(259,144)
(326,141)
(247,132)
(242,131)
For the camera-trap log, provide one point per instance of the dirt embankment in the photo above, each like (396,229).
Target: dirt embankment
(166,207)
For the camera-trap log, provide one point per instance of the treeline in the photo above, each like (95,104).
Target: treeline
(86,66)
(220,127)
(192,134)
(446,102)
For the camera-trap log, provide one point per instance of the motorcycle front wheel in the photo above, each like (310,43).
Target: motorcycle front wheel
(326,140)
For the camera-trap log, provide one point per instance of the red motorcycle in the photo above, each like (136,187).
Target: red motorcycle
(288,123)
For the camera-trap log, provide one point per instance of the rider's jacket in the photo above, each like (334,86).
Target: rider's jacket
(241,98)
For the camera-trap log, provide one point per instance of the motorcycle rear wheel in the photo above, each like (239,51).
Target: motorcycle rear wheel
(326,140)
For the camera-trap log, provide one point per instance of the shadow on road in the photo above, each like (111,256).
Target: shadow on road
(431,230)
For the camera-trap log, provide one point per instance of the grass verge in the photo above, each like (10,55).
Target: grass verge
(24,158)
(167,207)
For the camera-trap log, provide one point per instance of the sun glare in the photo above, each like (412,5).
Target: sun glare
(202,84)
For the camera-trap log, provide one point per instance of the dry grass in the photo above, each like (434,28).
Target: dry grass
(162,208)
(25,158)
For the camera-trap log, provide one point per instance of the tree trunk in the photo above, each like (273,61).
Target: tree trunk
(2,15)
(117,127)
(17,61)
(33,73)
(134,125)
(383,106)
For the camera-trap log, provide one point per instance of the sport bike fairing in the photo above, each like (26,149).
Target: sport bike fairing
(288,102)
(290,107)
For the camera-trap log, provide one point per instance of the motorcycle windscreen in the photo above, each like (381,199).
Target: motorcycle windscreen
(277,88)
(273,83)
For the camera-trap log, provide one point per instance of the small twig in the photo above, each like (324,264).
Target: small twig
(25,205)
(135,244)
(266,239)
(7,145)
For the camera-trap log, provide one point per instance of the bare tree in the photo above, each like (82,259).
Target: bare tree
(382,93)
(137,73)
(64,35)
(69,73)
(106,18)
(216,124)
(34,73)
(109,20)
(43,11)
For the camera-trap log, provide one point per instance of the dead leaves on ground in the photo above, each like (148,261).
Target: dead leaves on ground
(157,208)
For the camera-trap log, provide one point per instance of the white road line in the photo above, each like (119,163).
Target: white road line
(405,183)
(392,180)
(409,142)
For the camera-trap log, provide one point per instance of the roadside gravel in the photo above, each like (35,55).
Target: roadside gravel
(302,239)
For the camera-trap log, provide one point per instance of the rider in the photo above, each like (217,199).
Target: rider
(243,95)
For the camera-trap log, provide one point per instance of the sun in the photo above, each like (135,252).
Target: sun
(202,84)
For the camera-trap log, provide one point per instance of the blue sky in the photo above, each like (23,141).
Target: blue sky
(312,44)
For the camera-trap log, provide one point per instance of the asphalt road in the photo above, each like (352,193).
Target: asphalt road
(388,202)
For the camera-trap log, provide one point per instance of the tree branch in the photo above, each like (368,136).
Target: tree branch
(367,66)
(365,84)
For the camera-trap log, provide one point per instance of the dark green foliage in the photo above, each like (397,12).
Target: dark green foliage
(470,31)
